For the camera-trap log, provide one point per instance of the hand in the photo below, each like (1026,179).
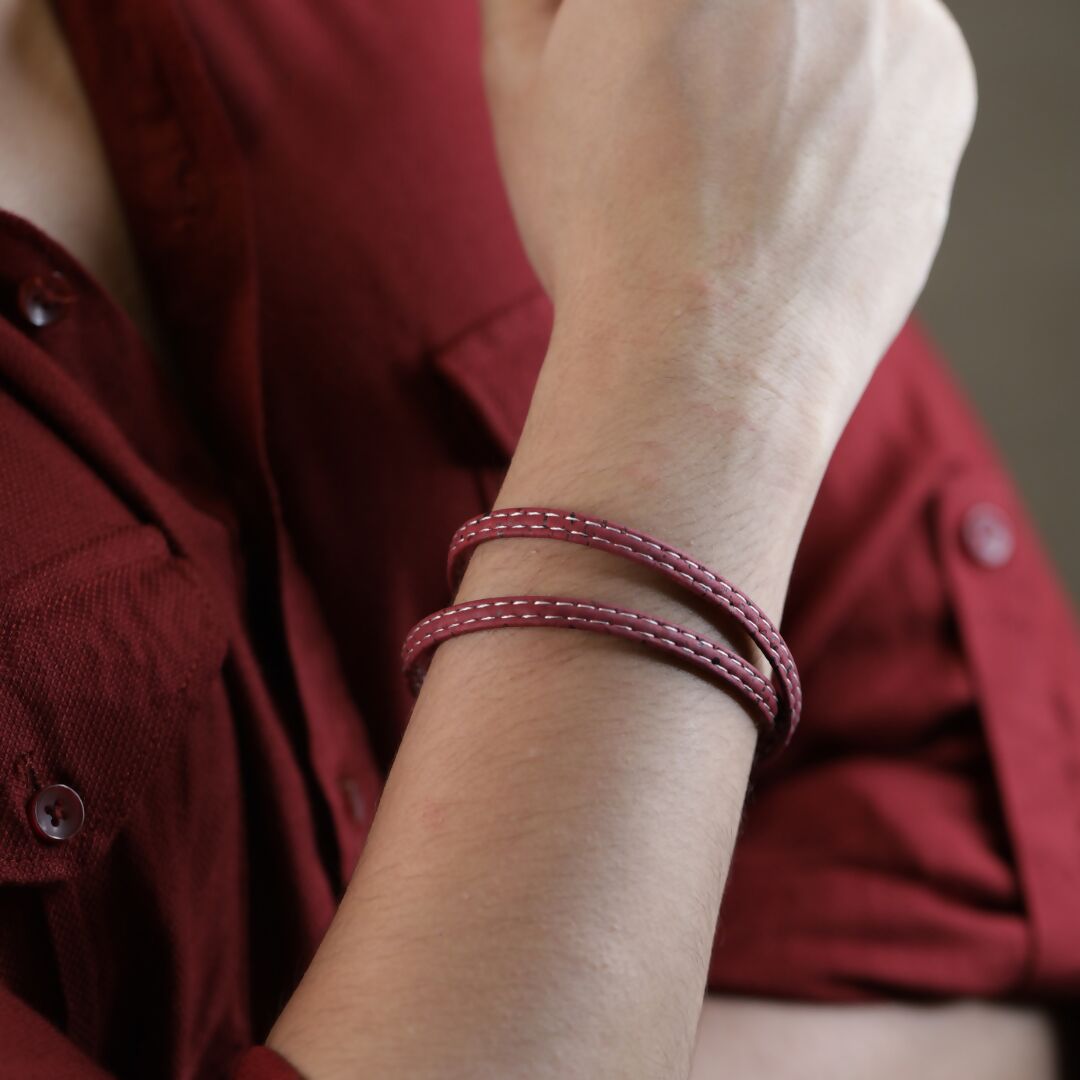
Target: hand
(778,171)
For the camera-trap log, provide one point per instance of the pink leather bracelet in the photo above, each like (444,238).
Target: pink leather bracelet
(776,705)
(552,611)
(552,524)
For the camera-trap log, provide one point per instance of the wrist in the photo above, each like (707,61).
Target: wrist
(681,356)
(725,469)
(725,341)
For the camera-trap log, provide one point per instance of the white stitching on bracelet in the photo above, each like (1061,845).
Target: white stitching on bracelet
(748,670)
(727,673)
(761,621)
(745,603)
(783,666)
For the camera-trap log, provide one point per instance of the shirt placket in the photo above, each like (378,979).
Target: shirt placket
(182,182)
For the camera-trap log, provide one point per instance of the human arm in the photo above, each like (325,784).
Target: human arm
(754,1039)
(542,881)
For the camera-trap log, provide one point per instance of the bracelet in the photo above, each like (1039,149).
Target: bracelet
(776,704)
(701,653)
(639,547)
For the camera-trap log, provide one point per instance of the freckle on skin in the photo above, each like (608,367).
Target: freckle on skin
(644,475)
(650,470)
(725,416)
(432,814)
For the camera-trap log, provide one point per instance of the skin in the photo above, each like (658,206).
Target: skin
(540,889)
(53,169)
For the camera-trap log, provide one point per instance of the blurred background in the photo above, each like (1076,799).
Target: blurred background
(1004,297)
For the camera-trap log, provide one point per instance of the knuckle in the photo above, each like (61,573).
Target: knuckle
(947,53)
(957,66)
(942,33)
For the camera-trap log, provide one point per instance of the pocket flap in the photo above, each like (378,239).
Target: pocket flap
(496,362)
(105,653)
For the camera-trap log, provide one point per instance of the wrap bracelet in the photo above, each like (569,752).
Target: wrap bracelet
(775,705)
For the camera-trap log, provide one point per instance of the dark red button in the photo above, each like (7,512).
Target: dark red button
(45,298)
(988,535)
(354,799)
(57,812)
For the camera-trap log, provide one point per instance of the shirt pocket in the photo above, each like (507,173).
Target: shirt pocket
(106,653)
(494,365)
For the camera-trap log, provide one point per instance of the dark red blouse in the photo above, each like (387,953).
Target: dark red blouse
(200,614)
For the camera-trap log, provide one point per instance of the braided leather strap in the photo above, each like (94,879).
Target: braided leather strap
(545,523)
(720,664)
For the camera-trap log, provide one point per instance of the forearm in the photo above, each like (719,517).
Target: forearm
(545,870)
(888,1040)
(733,207)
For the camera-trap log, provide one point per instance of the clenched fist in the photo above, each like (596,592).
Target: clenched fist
(778,169)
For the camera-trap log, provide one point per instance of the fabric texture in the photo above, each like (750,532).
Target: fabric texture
(200,615)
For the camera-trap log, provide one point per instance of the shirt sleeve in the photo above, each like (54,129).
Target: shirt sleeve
(262,1063)
(32,1049)
(919,837)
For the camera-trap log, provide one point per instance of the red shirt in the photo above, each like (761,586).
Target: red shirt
(201,609)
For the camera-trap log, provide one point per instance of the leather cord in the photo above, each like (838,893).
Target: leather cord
(715,661)
(639,547)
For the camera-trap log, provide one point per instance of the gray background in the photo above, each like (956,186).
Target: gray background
(1004,295)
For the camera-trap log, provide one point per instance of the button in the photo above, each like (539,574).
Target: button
(354,799)
(57,812)
(45,298)
(988,535)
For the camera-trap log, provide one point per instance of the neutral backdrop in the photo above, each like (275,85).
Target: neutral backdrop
(1004,296)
